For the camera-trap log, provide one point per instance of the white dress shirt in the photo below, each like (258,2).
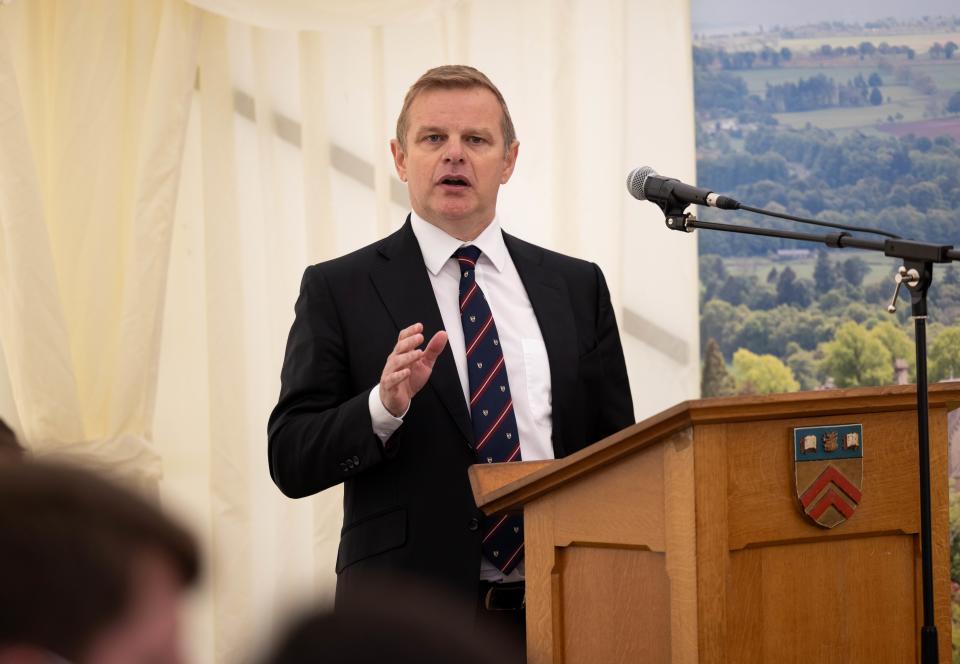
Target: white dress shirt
(524,352)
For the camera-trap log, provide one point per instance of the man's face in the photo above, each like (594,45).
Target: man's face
(149,632)
(455,161)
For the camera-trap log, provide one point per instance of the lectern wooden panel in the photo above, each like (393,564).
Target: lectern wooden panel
(682,539)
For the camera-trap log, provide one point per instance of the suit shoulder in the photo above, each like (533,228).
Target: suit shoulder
(554,260)
(351,265)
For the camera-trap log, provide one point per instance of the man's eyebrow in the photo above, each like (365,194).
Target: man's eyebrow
(485,133)
(430,130)
(423,131)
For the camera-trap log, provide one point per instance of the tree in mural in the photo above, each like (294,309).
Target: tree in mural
(856,358)
(762,374)
(716,380)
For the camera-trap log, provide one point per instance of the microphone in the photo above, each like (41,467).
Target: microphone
(645,185)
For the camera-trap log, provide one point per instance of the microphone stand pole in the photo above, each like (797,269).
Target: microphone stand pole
(917,274)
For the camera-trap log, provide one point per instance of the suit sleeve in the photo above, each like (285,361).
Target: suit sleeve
(616,410)
(320,433)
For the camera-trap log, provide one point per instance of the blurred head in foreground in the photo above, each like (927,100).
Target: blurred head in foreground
(395,621)
(90,573)
(10,449)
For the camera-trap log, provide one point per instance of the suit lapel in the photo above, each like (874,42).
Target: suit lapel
(551,305)
(404,286)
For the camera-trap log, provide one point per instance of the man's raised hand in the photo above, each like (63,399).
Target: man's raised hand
(408,368)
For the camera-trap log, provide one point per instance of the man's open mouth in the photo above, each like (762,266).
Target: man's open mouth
(454,181)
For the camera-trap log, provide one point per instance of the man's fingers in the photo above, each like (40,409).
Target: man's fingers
(399,361)
(394,379)
(435,347)
(408,343)
(407,331)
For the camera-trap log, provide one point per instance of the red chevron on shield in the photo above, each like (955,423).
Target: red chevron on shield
(830,489)
(829,472)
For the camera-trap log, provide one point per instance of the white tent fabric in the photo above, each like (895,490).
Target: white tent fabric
(325,15)
(170,168)
(94,105)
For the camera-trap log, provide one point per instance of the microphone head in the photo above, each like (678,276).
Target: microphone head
(637,179)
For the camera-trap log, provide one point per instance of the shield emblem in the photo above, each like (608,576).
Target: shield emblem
(828,467)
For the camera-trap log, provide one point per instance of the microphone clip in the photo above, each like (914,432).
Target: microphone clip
(677,219)
(674,211)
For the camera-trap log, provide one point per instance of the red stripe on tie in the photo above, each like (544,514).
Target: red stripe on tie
(833,475)
(496,425)
(476,339)
(463,259)
(486,383)
(514,454)
(466,298)
(510,559)
(494,529)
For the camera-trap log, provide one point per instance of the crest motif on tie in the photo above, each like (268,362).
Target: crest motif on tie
(479,365)
(496,342)
(503,388)
(509,436)
(485,412)
(473,319)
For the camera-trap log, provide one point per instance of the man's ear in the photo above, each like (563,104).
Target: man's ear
(510,161)
(399,159)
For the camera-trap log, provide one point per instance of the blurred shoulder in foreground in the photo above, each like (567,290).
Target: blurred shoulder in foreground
(401,622)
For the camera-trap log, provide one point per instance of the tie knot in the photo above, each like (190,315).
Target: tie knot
(468,256)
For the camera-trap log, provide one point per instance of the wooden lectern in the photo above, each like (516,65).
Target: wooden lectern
(682,538)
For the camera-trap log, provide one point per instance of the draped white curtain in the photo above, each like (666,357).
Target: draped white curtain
(167,170)
(94,99)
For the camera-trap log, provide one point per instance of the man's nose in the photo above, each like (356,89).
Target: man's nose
(454,150)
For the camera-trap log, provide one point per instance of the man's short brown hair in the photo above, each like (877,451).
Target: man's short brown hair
(10,448)
(454,77)
(70,543)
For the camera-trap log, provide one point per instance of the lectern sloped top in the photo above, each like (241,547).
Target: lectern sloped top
(508,488)
(744,529)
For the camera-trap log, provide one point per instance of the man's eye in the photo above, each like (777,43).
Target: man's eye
(433,138)
(476,140)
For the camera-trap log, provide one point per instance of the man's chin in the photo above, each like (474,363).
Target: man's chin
(455,213)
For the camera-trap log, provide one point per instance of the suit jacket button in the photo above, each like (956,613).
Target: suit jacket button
(474,524)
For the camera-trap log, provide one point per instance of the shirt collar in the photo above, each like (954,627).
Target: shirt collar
(437,246)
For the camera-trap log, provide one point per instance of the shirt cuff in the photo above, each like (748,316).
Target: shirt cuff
(384,423)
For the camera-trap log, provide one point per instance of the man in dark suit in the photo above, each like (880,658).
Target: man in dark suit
(447,343)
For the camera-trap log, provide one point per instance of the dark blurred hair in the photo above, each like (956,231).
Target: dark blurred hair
(400,621)
(69,545)
(9,446)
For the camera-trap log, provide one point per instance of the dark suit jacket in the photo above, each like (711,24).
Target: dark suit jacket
(407,504)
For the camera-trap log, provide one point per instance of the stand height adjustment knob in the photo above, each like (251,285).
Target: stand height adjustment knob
(912,279)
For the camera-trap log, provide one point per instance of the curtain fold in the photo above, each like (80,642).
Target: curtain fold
(95,98)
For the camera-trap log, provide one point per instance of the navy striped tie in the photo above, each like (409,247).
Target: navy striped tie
(495,434)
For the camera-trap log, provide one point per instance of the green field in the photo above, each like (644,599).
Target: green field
(919,42)
(757,79)
(881,267)
(902,99)
(855,118)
